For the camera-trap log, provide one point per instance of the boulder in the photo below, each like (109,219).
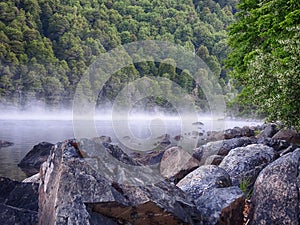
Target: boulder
(220,147)
(18,202)
(150,158)
(268,131)
(4,144)
(204,178)
(276,144)
(289,135)
(210,188)
(239,132)
(75,190)
(176,163)
(276,194)
(222,206)
(243,164)
(33,160)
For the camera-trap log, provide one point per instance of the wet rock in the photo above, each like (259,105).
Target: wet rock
(198,123)
(4,144)
(243,164)
(33,160)
(214,160)
(288,135)
(204,178)
(222,206)
(268,131)
(176,163)
(220,147)
(78,190)
(276,192)
(164,140)
(18,202)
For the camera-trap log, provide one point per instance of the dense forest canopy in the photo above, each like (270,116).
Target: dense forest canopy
(265,58)
(46,45)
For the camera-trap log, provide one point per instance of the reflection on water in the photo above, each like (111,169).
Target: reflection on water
(25,133)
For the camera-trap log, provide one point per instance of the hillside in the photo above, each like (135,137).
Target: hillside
(46,46)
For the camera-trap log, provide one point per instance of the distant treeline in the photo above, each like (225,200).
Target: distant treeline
(46,45)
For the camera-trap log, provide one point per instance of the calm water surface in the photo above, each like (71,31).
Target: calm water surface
(25,133)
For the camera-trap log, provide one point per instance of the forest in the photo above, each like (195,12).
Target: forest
(46,46)
(251,46)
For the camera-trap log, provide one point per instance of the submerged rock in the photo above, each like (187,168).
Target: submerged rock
(243,164)
(276,195)
(4,144)
(18,202)
(33,160)
(78,190)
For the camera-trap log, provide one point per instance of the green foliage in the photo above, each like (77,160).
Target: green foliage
(265,58)
(47,45)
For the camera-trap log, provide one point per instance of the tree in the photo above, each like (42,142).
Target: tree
(265,57)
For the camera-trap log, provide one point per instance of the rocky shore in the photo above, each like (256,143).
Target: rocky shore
(246,175)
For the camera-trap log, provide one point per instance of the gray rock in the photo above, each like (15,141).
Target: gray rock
(33,160)
(203,178)
(243,164)
(33,179)
(276,192)
(18,202)
(150,158)
(74,191)
(222,206)
(176,163)
(289,135)
(239,132)
(4,144)
(214,160)
(210,187)
(268,131)
(222,147)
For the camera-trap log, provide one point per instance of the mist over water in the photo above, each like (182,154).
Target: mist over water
(28,128)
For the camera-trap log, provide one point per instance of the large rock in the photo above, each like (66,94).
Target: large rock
(222,206)
(276,195)
(203,178)
(210,187)
(5,144)
(33,160)
(243,164)
(18,202)
(75,190)
(268,131)
(222,147)
(288,135)
(176,163)
(239,132)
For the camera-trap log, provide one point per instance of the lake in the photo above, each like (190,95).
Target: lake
(27,131)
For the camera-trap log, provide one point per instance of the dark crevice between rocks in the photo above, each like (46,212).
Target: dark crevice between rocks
(147,213)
